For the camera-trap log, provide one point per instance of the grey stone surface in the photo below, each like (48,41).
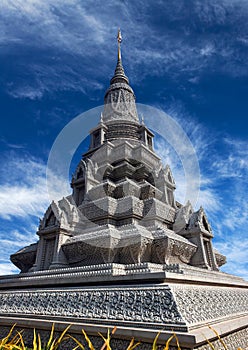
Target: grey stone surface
(232,341)
(202,304)
(130,306)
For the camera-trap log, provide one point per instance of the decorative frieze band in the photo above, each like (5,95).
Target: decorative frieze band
(149,307)
(204,303)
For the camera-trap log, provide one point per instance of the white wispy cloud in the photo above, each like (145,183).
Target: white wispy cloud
(78,29)
(23,191)
(235,249)
(235,164)
(13,240)
(23,199)
(19,238)
(7,268)
(63,24)
(53,78)
(207,196)
(23,186)
(203,142)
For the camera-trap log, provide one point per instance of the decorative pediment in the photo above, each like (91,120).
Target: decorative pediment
(199,220)
(168,247)
(182,217)
(169,176)
(165,176)
(69,214)
(80,171)
(60,214)
(86,170)
(51,217)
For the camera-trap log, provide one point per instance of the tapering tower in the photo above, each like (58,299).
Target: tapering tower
(123,196)
(121,251)
(119,99)
(119,119)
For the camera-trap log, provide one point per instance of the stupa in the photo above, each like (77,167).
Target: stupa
(121,251)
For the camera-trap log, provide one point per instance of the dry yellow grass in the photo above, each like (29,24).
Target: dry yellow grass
(14,341)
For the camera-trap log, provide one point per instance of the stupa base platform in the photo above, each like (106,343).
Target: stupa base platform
(140,299)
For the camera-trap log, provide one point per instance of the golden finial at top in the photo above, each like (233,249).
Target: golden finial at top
(119,40)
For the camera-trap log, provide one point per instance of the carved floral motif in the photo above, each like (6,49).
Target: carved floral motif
(165,249)
(126,305)
(203,303)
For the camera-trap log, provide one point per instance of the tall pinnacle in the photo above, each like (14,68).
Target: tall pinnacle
(119,76)
(119,40)
(119,100)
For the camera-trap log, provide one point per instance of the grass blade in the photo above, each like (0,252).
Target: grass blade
(79,345)
(90,345)
(21,340)
(217,334)
(4,340)
(50,338)
(168,342)
(61,337)
(210,344)
(34,341)
(178,346)
(106,341)
(132,346)
(39,343)
(154,345)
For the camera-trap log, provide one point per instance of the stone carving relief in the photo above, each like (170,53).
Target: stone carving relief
(51,217)
(182,217)
(166,184)
(112,306)
(136,252)
(98,247)
(204,303)
(184,251)
(220,259)
(168,175)
(199,220)
(119,103)
(61,214)
(47,253)
(25,257)
(167,250)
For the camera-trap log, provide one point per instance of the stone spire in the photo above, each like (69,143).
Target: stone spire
(119,76)
(119,100)
(119,120)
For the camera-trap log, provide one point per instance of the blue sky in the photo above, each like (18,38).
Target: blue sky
(188,58)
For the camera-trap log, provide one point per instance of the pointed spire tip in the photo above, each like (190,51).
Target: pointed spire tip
(119,75)
(119,40)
